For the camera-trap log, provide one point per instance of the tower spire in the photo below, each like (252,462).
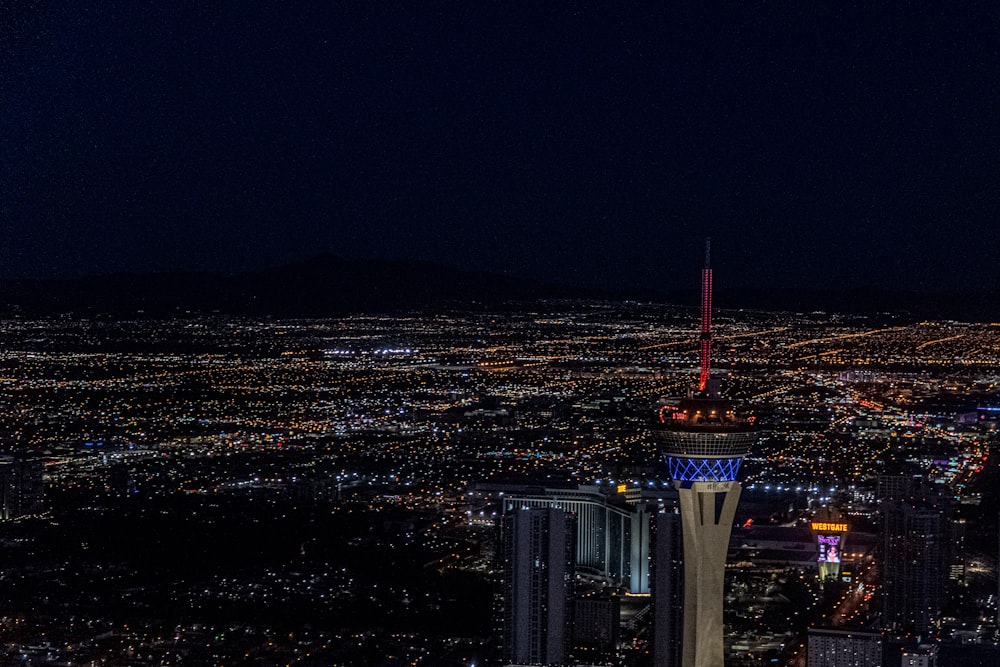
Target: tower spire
(705,349)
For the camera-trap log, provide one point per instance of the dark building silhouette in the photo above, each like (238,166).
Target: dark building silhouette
(311,491)
(916,536)
(121,481)
(22,490)
(595,624)
(535,598)
(840,647)
(667,583)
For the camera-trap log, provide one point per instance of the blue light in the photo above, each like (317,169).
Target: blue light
(703,470)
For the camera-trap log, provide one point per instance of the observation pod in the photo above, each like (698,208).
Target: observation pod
(704,440)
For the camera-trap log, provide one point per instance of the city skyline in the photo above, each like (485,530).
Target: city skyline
(196,490)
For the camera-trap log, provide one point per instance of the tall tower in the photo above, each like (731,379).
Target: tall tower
(704,443)
(667,587)
(537,548)
(915,559)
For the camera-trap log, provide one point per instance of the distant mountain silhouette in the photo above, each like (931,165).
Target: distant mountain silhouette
(323,286)
(967,306)
(328,285)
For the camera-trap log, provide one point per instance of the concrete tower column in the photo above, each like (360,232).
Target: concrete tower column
(707,512)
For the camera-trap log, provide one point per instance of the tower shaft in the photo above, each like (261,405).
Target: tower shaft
(707,512)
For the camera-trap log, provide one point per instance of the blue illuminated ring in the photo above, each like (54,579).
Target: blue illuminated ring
(703,470)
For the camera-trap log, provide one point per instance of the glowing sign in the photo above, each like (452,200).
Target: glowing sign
(670,412)
(829,548)
(826,527)
(622,488)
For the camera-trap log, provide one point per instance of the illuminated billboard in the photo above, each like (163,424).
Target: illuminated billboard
(829,548)
(829,527)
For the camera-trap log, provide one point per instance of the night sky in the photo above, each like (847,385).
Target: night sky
(589,143)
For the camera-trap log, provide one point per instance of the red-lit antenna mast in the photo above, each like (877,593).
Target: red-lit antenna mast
(705,352)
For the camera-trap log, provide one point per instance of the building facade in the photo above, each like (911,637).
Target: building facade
(596,623)
(667,583)
(22,489)
(836,647)
(537,550)
(612,537)
(916,547)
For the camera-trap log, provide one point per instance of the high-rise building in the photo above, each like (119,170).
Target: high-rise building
(667,584)
(536,586)
(22,490)
(921,655)
(612,536)
(705,441)
(838,647)
(915,561)
(595,623)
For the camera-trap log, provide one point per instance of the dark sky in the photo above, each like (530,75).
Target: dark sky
(590,143)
